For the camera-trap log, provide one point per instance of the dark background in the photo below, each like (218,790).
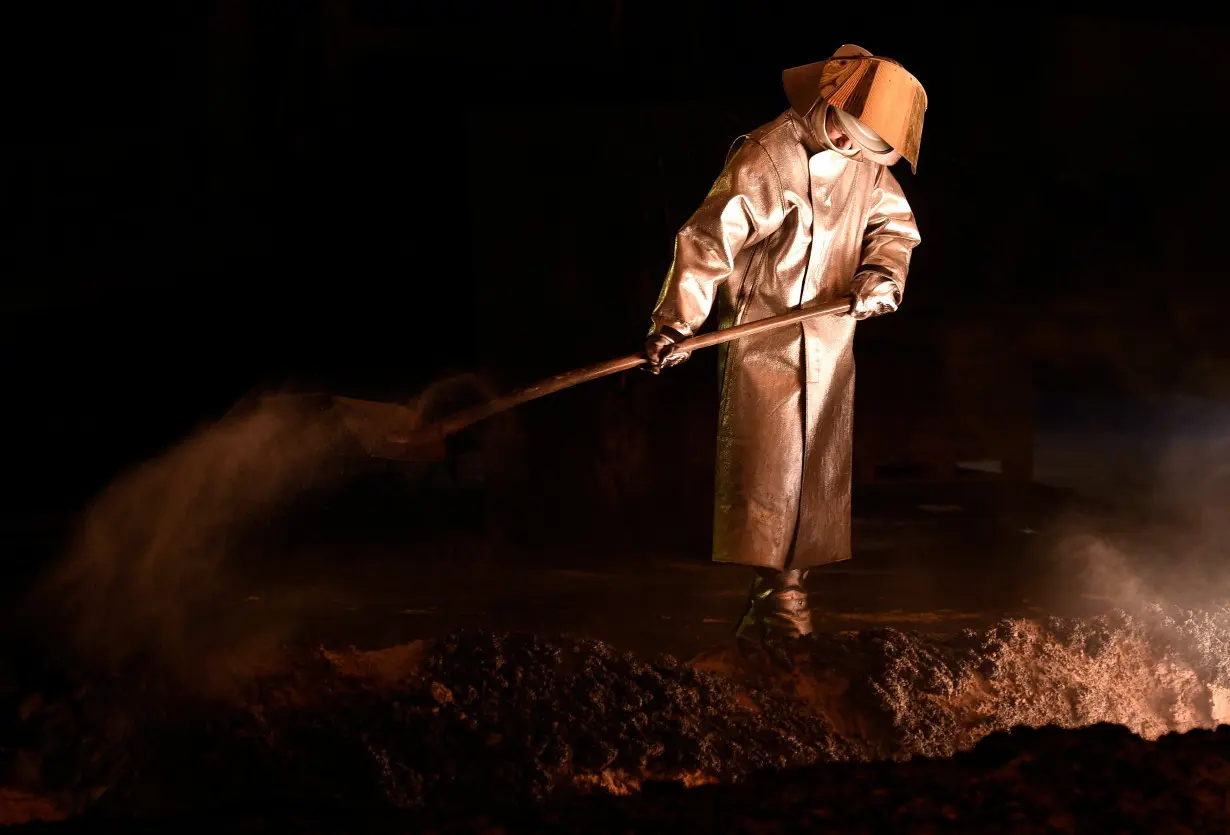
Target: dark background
(362,197)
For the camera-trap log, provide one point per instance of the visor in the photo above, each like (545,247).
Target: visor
(877,92)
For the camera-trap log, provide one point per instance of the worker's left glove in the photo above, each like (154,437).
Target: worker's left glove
(874,295)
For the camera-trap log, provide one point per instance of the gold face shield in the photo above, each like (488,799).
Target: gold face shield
(878,92)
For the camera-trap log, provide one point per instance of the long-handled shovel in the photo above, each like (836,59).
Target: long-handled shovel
(427,443)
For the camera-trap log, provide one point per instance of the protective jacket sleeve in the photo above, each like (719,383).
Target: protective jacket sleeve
(890,237)
(743,207)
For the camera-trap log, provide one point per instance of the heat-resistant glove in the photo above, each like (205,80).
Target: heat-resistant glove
(660,349)
(874,295)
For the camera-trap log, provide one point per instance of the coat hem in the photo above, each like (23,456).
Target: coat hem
(777,565)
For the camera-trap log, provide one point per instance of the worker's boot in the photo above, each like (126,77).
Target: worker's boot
(776,606)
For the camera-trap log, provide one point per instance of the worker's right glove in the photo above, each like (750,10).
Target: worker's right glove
(660,350)
(874,295)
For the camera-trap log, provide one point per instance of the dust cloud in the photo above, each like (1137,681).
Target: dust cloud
(149,560)
(153,572)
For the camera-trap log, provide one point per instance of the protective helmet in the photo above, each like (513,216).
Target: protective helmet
(878,104)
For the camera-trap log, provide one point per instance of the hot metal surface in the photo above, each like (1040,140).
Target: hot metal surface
(782,230)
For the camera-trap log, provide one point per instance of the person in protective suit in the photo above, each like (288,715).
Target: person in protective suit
(805,212)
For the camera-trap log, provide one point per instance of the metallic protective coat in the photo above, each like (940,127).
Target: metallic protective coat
(785,227)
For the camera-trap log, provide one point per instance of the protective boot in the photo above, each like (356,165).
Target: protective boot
(776,606)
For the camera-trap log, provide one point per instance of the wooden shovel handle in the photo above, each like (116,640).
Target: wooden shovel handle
(559,382)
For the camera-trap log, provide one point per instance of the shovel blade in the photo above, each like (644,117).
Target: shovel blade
(389,431)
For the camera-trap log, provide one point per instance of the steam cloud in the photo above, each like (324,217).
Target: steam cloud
(1168,533)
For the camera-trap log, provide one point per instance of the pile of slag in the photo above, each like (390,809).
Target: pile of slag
(891,694)
(1096,779)
(478,722)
